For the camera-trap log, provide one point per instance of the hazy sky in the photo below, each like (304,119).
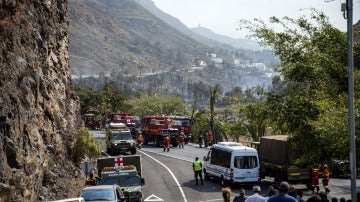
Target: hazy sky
(222,16)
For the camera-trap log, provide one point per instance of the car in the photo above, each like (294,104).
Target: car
(111,193)
(79,199)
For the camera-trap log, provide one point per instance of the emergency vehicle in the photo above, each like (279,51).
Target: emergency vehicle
(155,128)
(122,117)
(124,171)
(183,124)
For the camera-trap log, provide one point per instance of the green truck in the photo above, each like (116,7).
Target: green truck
(276,161)
(124,171)
(120,140)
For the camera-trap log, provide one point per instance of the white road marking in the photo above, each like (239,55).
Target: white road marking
(153,198)
(171,173)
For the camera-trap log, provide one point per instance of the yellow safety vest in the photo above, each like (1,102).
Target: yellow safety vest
(197,166)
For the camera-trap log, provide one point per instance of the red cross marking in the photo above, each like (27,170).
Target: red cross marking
(118,162)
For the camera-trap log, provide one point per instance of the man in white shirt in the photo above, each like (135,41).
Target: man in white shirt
(256,197)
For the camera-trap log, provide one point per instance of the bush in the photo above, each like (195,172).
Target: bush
(84,146)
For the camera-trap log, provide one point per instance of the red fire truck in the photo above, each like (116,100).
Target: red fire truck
(183,124)
(154,128)
(122,117)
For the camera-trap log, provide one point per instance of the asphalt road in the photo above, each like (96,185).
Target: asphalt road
(169,177)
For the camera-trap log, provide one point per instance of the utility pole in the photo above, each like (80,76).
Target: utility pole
(348,8)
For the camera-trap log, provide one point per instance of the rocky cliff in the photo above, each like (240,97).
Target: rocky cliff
(39,110)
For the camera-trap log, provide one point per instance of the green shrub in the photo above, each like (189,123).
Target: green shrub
(84,146)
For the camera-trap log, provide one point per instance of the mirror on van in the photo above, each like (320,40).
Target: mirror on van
(205,158)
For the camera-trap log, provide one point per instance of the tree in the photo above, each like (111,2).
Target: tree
(308,102)
(85,146)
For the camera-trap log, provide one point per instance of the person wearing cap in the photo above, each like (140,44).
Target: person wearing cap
(256,197)
(282,196)
(197,167)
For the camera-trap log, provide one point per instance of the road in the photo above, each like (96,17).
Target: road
(169,177)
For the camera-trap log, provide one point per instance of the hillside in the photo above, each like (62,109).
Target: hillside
(39,109)
(121,36)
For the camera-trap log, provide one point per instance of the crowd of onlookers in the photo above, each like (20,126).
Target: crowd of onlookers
(284,193)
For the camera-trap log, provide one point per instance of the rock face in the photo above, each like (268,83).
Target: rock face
(39,110)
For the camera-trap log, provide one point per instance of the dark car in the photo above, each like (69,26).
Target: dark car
(103,193)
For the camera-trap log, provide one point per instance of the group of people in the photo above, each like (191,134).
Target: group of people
(284,193)
(315,174)
(207,137)
(273,195)
(181,138)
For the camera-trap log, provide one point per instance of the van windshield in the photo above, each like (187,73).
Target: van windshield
(245,162)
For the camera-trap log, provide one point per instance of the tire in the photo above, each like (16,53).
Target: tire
(223,182)
(133,150)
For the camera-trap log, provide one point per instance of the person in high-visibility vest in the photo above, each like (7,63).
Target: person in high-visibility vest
(326,178)
(197,166)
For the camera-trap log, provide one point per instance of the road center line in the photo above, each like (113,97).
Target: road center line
(171,173)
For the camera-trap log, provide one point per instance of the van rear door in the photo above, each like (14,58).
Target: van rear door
(245,167)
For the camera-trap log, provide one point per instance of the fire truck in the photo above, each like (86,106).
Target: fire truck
(183,124)
(155,128)
(122,118)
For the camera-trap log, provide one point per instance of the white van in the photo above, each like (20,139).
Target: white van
(231,162)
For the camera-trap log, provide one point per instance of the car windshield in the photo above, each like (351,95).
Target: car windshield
(123,181)
(98,194)
(121,136)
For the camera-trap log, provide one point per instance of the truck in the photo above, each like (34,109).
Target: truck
(119,139)
(124,171)
(183,124)
(155,128)
(122,117)
(277,161)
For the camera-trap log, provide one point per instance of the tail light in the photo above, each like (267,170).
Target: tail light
(231,174)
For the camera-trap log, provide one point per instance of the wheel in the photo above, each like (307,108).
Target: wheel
(146,139)
(133,150)
(223,182)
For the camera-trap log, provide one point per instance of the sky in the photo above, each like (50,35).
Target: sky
(223,16)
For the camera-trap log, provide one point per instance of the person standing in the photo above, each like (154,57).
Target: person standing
(139,139)
(181,140)
(197,167)
(167,143)
(326,179)
(210,138)
(200,140)
(315,178)
(282,196)
(256,197)
(241,197)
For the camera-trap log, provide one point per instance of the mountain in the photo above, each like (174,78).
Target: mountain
(123,37)
(140,47)
(200,34)
(246,44)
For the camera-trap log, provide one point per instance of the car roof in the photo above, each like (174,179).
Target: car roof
(100,187)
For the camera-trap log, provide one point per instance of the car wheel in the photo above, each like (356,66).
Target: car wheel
(223,182)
